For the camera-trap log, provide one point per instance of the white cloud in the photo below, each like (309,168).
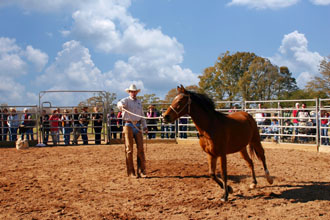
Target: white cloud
(11,62)
(37,57)
(14,70)
(321,2)
(264,4)
(294,54)
(153,57)
(149,58)
(74,69)
(14,93)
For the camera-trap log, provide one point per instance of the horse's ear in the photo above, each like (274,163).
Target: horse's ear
(180,89)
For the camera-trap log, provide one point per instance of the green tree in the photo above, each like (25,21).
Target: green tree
(321,84)
(245,76)
(173,92)
(99,99)
(149,98)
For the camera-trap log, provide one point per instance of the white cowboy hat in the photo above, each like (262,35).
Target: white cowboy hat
(132,88)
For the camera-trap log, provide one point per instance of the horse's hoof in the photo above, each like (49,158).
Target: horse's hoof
(224,199)
(253,186)
(270,180)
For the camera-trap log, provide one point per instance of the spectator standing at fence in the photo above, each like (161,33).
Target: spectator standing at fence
(76,126)
(134,125)
(13,124)
(44,126)
(112,126)
(165,128)
(26,125)
(120,123)
(295,114)
(84,118)
(66,120)
(304,120)
(260,119)
(1,125)
(97,124)
(324,127)
(4,124)
(54,127)
(273,129)
(60,129)
(152,123)
(288,129)
(233,109)
(183,121)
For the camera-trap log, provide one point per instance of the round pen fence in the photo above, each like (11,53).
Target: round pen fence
(74,124)
(279,121)
(18,122)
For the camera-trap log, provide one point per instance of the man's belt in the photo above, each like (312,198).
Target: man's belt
(132,122)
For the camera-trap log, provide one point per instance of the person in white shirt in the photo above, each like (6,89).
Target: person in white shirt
(134,125)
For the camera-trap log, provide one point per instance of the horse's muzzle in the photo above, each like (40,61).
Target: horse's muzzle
(167,118)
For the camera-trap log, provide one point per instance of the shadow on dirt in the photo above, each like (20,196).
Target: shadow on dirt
(301,192)
(233,178)
(307,191)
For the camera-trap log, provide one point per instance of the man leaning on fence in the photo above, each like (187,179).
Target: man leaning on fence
(132,130)
(84,118)
(76,126)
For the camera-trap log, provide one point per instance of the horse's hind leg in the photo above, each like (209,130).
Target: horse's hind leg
(247,158)
(268,177)
(261,155)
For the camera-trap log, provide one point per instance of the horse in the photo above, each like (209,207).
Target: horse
(219,134)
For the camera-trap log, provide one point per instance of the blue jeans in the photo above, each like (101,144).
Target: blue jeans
(166,129)
(45,136)
(55,137)
(13,134)
(135,128)
(84,136)
(296,129)
(4,134)
(66,132)
(183,134)
(324,132)
(29,133)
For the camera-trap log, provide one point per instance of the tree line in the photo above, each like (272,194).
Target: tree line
(244,76)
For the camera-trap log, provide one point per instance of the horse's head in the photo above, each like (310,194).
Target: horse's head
(179,107)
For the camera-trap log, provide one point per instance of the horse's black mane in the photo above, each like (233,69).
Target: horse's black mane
(203,101)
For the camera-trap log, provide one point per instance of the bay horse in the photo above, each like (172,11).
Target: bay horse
(219,134)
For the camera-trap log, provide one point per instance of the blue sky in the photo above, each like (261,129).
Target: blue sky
(156,44)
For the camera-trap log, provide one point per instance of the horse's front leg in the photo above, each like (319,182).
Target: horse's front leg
(212,161)
(228,189)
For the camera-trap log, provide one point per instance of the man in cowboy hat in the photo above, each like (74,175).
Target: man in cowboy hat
(133,121)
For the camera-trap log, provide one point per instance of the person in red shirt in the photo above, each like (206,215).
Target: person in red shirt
(295,113)
(324,125)
(54,127)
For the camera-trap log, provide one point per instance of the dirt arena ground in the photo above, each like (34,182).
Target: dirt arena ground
(89,182)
